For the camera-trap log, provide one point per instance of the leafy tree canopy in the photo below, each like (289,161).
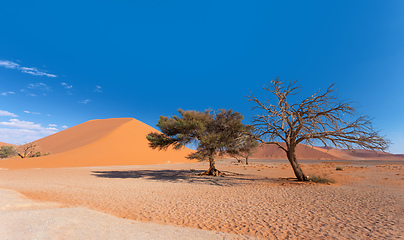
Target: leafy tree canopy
(212,131)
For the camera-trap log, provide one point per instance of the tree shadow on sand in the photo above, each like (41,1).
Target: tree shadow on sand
(187,176)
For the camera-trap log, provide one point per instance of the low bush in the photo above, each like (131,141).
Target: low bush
(7,151)
(318,179)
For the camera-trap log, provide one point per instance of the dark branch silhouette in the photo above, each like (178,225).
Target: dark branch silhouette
(320,118)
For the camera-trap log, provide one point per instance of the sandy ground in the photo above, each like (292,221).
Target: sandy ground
(27,219)
(255,201)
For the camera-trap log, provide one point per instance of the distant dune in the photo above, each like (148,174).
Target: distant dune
(322,153)
(302,152)
(108,142)
(122,141)
(5,144)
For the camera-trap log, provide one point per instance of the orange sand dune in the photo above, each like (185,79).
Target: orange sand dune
(302,152)
(359,154)
(321,153)
(99,143)
(80,135)
(5,144)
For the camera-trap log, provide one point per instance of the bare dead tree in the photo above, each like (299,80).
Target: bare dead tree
(27,150)
(320,119)
(243,147)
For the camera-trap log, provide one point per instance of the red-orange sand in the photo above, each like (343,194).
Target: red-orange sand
(5,144)
(366,202)
(102,165)
(320,153)
(116,141)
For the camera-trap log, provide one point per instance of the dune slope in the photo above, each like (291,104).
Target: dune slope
(321,153)
(302,152)
(6,144)
(80,135)
(99,143)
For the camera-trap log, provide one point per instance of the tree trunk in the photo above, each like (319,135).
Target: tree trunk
(246,160)
(212,168)
(296,167)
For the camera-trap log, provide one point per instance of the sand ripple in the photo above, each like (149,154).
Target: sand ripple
(240,204)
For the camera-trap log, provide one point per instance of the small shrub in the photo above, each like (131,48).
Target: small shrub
(38,154)
(7,151)
(318,179)
(338,168)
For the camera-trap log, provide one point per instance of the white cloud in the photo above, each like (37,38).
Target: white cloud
(29,70)
(9,64)
(6,93)
(40,86)
(18,136)
(52,125)
(19,132)
(7,114)
(85,101)
(67,86)
(36,113)
(21,136)
(64,126)
(21,124)
(98,89)
(32,95)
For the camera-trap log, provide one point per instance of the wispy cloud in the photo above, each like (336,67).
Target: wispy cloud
(6,93)
(9,64)
(29,70)
(98,89)
(52,125)
(36,89)
(7,114)
(67,86)
(64,126)
(29,112)
(39,86)
(19,132)
(15,123)
(85,101)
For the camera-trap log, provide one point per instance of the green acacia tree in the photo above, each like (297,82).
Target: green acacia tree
(212,131)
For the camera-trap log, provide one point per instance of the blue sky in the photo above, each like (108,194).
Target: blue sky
(64,63)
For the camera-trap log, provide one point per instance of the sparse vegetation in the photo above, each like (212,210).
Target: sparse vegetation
(339,168)
(29,151)
(244,146)
(7,151)
(318,179)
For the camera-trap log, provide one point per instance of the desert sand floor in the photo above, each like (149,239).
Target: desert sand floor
(254,201)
